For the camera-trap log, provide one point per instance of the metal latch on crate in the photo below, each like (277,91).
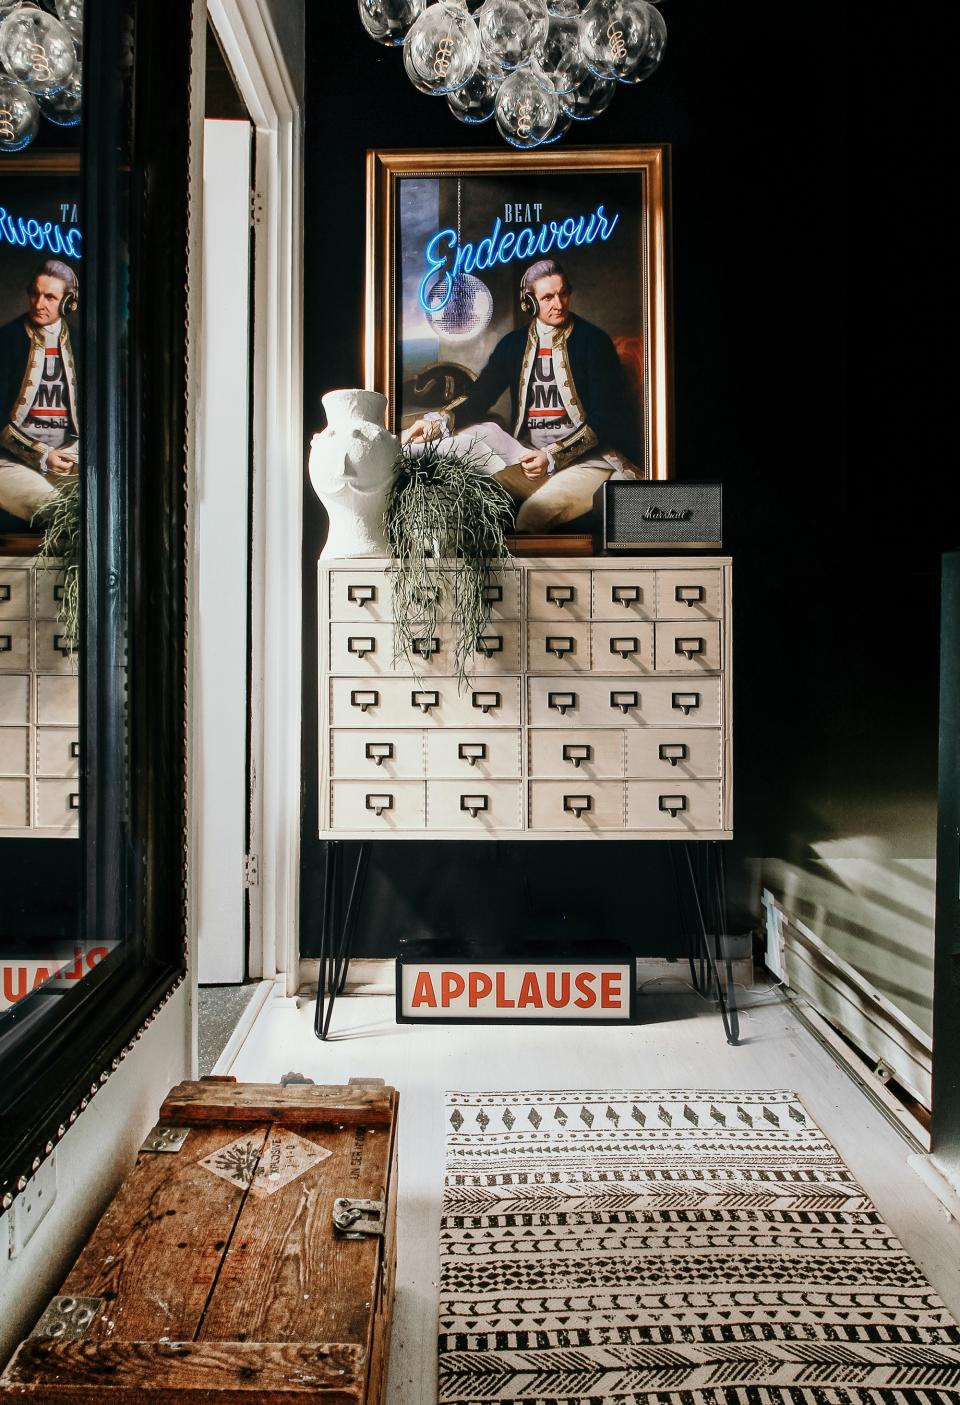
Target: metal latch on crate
(166,1138)
(359,1219)
(68,1319)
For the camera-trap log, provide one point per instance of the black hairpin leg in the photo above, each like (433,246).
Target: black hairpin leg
(714,894)
(695,957)
(336,932)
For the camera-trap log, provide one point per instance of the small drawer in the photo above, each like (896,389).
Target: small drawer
(472,756)
(14,699)
(499,650)
(689,595)
(14,804)
(558,646)
(558,595)
(58,701)
(14,593)
(363,648)
(376,755)
(49,586)
(576,805)
(58,751)
(502,593)
(571,755)
(14,751)
(672,754)
(675,805)
(624,595)
(693,648)
(360,596)
(58,805)
(622,648)
(56,651)
(377,808)
(427,703)
(14,646)
(474,806)
(616,701)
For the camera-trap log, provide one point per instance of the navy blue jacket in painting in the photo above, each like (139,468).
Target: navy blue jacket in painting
(597,382)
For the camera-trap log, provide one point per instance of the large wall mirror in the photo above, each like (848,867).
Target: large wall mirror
(93,235)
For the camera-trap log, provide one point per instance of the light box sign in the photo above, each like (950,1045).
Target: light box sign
(515,991)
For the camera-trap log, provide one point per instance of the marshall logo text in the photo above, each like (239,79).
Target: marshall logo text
(668,514)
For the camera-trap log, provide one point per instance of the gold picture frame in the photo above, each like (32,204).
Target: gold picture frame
(628,276)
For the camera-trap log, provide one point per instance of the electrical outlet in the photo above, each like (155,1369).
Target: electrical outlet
(31,1205)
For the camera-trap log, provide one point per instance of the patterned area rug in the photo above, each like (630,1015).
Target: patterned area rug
(673,1248)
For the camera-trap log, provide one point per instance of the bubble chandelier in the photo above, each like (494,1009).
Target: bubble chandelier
(40,68)
(533,65)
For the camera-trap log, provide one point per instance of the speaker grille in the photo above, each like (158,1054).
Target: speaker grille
(661,514)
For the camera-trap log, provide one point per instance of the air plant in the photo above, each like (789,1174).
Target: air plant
(60,550)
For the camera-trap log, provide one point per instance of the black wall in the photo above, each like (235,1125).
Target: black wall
(807,204)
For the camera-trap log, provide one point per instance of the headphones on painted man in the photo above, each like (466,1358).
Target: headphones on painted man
(528,302)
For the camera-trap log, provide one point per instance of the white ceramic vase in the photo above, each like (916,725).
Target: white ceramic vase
(352,467)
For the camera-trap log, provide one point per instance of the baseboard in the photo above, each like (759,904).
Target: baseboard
(258,1000)
(936,1180)
(377,975)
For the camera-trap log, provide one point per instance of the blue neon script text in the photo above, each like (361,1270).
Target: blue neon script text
(17,230)
(531,242)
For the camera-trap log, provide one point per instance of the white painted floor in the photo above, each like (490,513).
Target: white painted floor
(679,1044)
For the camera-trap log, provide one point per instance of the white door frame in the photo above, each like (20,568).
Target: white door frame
(247,36)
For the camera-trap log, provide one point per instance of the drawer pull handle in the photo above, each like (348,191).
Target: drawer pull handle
(472,752)
(4,594)
(361,646)
(378,752)
(562,702)
(6,644)
(673,805)
(379,803)
(361,594)
(689,648)
(673,752)
(625,595)
(491,644)
(578,805)
(576,753)
(486,701)
(364,700)
(690,595)
(560,645)
(74,751)
(624,647)
(74,800)
(424,701)
(474,804)
(493,594)
(624,701)
(561,595)
(686,702)
(64,645)
(426,647)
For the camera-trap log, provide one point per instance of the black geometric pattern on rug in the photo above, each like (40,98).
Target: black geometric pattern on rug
(673,1248)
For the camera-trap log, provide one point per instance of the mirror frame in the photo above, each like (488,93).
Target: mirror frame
(132,658)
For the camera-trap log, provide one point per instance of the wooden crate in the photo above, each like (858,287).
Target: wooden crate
(216,1275)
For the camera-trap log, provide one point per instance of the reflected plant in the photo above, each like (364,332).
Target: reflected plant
(446,522)
(59,520)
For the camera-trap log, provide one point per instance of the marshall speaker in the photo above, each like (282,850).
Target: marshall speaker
(658,516)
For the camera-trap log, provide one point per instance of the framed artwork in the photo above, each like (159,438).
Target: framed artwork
(523,297)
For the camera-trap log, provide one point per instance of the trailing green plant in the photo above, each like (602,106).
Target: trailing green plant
(59,518)
(446,521)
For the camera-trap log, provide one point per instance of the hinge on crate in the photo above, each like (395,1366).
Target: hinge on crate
(166,1138)
(68,1319)
(359,1219)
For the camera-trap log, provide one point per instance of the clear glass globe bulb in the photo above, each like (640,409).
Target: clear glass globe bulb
(527,109)
(37,51)
(19,116)
(387,21)
(656,45)
(475,101)
(567,9)
(71,15)
(591,97)
(442,49)
(557,58)
(561,127)
(613,36)
(510,29)
(66,107)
